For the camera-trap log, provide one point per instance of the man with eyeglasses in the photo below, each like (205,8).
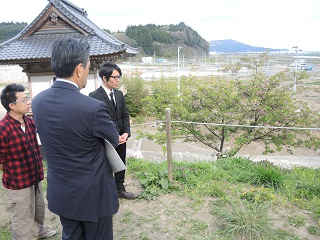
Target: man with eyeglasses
(108,93)
(21,163)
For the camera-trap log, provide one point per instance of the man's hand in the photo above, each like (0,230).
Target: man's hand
(1,167)
(123,89)
(123,138)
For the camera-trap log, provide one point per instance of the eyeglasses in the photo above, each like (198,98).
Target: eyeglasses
(23,100)
(116,77)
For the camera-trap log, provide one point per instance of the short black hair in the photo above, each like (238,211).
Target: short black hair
(107,68)
(8,94)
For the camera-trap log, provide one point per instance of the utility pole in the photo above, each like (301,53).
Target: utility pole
(296,48)
(179,48)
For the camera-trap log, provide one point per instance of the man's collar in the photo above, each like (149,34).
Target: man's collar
(67,81)
(106,89)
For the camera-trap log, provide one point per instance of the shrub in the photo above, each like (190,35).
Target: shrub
(268,175)
(153,184)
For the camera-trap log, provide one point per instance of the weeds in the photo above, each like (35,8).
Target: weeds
(308,191)
(267,175)
(241,193)
(242,219)
(258,195)
(153,183)
(227,199)
(297,220)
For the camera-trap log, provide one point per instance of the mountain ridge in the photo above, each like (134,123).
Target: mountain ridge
(161,40)
(229,45)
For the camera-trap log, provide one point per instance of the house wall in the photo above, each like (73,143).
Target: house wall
(37,83)
(12,74)
(147,59)
(40,83)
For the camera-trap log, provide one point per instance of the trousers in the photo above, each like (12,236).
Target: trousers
(27,212)
(120,176)
(82,230)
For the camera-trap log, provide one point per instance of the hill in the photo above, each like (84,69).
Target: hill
(10,29)
(163,40)
(160,40)
(229,45)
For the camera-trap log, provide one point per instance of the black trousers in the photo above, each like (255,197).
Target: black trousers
(81,230)
(119,176)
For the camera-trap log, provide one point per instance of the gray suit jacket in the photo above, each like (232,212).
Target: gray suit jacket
(72,128)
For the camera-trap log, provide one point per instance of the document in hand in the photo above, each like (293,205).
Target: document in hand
(115,161)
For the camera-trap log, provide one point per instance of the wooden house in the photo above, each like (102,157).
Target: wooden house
(31,48)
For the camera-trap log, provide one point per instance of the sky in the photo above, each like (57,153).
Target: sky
(279,24)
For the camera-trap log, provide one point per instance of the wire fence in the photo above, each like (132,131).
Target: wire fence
(155,123)
(168,123)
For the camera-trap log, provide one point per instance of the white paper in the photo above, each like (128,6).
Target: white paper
(114,159)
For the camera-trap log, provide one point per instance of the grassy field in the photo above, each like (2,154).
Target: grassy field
(226,199)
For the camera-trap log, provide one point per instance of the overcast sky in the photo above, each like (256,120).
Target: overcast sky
(261,23)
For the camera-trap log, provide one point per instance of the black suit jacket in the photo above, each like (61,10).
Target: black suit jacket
(72,128)
(120,117)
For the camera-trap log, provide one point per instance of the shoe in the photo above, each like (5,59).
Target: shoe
(47,234)
(127,195)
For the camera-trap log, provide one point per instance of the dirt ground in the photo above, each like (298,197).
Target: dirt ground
(166,217)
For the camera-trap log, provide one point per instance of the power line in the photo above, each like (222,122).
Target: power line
(230,125)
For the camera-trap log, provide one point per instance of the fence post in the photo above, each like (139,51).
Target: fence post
(169,143)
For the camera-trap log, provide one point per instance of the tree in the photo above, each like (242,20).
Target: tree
(217,109)
(266,102)
(215,103)
(136,91)
(10,29)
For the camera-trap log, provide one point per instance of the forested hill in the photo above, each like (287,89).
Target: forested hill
(159,40)
(164,40)
(10,29)
(150,39)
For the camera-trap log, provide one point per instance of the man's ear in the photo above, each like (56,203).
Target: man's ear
(11,106)
(78,70)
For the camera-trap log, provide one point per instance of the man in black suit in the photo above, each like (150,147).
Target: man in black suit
(72,129)
(110,75)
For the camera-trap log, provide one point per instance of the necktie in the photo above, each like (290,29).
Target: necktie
(112,100)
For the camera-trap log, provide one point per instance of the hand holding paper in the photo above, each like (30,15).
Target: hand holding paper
(115,161)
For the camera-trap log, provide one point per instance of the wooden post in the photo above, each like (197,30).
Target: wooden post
(169,143)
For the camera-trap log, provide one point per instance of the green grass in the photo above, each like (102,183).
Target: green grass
(226,199)
(244,196)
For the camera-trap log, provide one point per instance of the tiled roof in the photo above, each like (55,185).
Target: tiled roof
(34,42)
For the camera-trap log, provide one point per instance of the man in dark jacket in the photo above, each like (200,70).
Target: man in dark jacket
(110,75)
(81,187)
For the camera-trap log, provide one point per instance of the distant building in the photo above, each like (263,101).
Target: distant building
(162,60)
(147,59)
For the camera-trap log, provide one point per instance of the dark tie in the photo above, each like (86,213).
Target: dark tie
(112,100)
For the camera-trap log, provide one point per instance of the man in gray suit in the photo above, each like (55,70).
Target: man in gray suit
(72,128)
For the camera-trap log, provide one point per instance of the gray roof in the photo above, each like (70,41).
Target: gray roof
(34,42)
